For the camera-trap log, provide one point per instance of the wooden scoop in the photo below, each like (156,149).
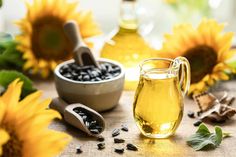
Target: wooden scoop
(82,54)
(73,118)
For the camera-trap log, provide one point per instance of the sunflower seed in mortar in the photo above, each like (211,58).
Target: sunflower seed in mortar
(94,131)
(90,73)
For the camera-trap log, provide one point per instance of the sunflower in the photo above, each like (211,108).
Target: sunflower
(207,50)
(23,125)
(42,40)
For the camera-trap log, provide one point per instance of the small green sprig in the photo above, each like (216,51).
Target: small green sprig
(203,139)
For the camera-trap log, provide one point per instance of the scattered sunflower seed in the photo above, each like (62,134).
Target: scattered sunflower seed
(199,113)
(197,123)
(78,150)
(130,146)
(119,140)
(191,114)
(124,128)
(101,145)
(115,132)
(100,139)
(119,150)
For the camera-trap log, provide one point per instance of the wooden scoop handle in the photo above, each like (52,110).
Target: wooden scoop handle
(82,54)
(59,105)
(72,31)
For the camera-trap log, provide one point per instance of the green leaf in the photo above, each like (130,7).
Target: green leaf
(0,3)
(10,57)
(219,135)
(7,76)
(204,139)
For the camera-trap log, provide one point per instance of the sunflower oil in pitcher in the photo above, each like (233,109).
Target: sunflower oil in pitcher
(158,103)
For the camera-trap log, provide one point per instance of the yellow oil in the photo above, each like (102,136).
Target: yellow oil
(158,105)
(127,46)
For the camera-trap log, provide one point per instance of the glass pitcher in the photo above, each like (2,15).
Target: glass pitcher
(158,104)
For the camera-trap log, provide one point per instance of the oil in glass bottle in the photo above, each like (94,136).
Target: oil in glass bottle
(127,46)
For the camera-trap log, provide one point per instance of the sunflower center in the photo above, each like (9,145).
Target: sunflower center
(48,39)
(202,60)
(13,147)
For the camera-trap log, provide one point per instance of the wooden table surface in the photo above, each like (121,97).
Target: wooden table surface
(122,114)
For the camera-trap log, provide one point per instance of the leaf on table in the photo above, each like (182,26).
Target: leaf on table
(7,76)
(204,139)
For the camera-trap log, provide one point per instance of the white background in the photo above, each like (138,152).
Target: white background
(106,13)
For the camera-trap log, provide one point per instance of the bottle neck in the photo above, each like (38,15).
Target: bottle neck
(128,16)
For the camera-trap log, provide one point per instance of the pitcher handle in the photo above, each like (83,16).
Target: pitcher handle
(185,74)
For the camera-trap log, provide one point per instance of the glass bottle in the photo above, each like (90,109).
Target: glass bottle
(127,46)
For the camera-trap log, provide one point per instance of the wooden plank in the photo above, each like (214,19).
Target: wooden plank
(122,114)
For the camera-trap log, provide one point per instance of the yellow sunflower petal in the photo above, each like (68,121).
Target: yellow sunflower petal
(40,119)
(229,54)
(30,99)
(207,49)
(220,67)
(45,72)
(28,65)
(28,121)
(210,81)
(12,94)
(53,64)
(2,110)
(56,143)
(224,43)
(35,107)
(4,138)
(198,88)
(223,76)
